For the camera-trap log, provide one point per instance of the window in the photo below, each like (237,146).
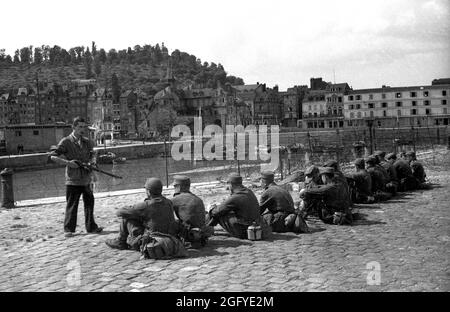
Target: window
(35,132)
(359,114)
(358,106)
(341,123)
(350,97)
(371,113)
(398,104)
(352,115)
(444,110)
(398,95)
(428,111)
(426,102)
(399,112)
(351,106)
(330,124)
(384,114)
(414,112)
(358,97)
(425,93)
(414,103)
(444,92)
(413,94)
(371,105)
(370,96)
(383,104)
(340,99)
(383,95)
(18,133)
(444,102)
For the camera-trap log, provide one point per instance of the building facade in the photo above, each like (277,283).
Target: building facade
(398,107)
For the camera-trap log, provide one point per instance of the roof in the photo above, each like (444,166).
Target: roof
(195,93)
(343,86)
(398,89)
(251,87)
(5,96)
(166,94)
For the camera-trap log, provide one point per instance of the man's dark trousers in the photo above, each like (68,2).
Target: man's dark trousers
(73,193)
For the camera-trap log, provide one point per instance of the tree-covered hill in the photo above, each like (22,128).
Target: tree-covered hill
(141,67)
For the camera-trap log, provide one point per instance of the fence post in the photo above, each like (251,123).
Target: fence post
(167,169)
(7,188)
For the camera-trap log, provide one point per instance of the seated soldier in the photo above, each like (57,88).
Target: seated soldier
(339,178)
(312,179)
(417,168)
(363,183)
(338,175)
(332,203)
(238,211)
(406,180)
(276,204)
(379,167)
(191,212)
(378,180)
(392,184)
(154,214)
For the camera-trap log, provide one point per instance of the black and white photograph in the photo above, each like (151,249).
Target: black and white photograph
(225,152)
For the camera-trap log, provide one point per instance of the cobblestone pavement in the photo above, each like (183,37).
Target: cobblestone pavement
(400,245)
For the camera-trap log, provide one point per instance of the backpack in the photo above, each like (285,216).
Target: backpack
(156,245)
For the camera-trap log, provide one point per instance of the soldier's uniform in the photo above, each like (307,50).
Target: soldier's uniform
(417,168)
(191,213)
(378,180)
(390,175)
(312,180)
(340,178)
(363,183)
(238,211)
(406,180)
(154,214)
(275,204)
(331,199)
(188,207)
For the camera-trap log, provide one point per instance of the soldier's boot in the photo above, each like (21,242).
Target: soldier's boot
(116,244)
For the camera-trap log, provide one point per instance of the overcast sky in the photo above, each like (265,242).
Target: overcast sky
(366,43)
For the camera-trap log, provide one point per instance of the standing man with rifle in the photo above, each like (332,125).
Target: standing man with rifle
(78,157)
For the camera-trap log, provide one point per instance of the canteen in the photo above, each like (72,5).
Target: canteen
(254,232)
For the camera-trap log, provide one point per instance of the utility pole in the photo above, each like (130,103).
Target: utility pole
(38,98)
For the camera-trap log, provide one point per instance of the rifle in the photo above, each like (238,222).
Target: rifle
(94,168)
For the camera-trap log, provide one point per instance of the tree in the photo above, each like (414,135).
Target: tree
(112,55)
(73,56)
(45,53)
(97,66)
(94,49)
(16,57)
(102,56)
(115,88)
(88,64)
(25,55)
(38,58)
(55,55)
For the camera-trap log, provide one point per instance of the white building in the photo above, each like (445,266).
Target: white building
(398,106)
